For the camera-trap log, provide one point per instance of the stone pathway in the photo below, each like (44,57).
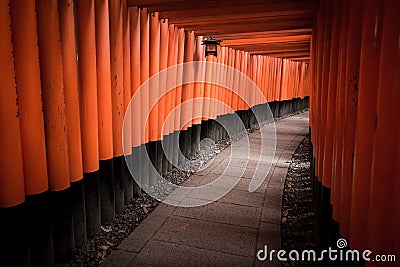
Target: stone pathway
(229,231)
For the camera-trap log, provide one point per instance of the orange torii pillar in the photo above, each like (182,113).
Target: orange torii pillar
(178,96)
(197,95)
(166,105)
(339,116)
(27,78)
(368,84)
(106,179)
(350,120)
(187,93)
(89,118)
(135,84)
(51,71)
(144,97)
(385,180)
(154,65)
(222,92)
(127,138)
(207,95)
(174,34)
(324,209)
(70,75)
(12,190)
(71,93)
(172,59)
(225,81)
(30,106)
(117,99)
(169,97)
(331,100)
(316,99)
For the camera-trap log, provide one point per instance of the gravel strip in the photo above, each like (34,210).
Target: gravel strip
(297,226)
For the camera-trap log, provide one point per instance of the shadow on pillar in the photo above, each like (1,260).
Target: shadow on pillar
(107,194)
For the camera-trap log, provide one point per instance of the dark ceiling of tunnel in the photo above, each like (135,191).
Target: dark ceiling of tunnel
(279,28)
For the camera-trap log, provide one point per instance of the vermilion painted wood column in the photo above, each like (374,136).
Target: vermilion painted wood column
(368,84)
(127,117)
(117,74)
(247,84)
(198,87)
(350,111)
(172,58)
(321,20)
(235,98)
(127,141)
(89,113)
(135,73)
(117,98)
(70,74)
(165,98)
(384,180)
(154,149)
(11,167)
(284,81)
(103,68)
(324,91)
(231,64)
(53,94)
(253,77)
(178,96)
(207,89)
(339,116)
(241,80)
(88,84)
(164,50)
(154,57)
(217,90)
(27,76)
(188,87)
(331,89)
(136,131)
(225,52)
(213,90)
(172,62)
(144,66)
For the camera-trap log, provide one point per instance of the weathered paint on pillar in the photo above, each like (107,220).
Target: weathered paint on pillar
(27,76)
(53,94)
(88,84)
(11,167)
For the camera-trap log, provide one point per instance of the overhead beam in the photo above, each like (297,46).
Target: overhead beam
(194,8)
(267,40)
(263,34)
(282,53)
(234,28)
(274,47)
(182,20)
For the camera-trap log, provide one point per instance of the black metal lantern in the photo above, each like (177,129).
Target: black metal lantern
(211,46)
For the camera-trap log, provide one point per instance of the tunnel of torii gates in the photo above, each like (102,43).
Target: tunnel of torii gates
(68,70)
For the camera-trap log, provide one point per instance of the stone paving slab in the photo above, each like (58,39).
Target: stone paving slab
(166,254)
(224,213)
(229,231)
(233,239)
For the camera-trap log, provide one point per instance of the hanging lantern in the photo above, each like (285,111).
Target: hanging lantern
(211,46)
